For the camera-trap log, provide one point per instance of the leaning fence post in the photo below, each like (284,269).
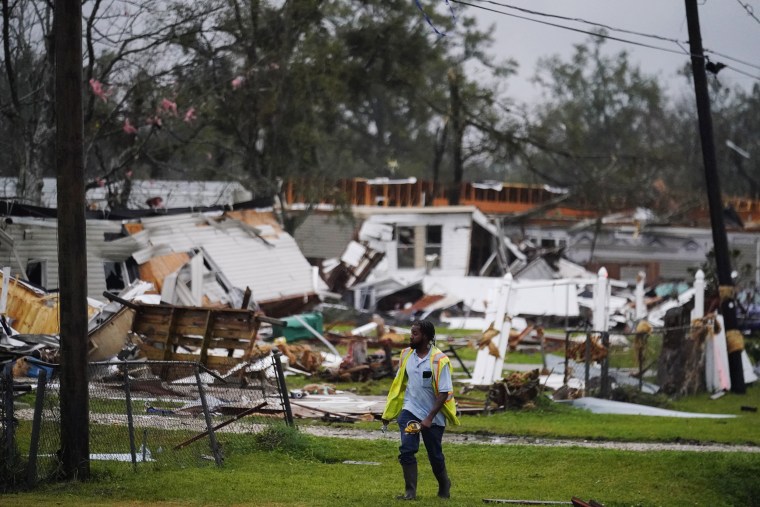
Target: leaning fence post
(566,376)
(207,415)
(34,442)
(587,361)
(284,395)
(641,307)
(130,418)
(605,384)
(699,295)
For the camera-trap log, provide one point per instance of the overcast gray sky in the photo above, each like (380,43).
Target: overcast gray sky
(728,28)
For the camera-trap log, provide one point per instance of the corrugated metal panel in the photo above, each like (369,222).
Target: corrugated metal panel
(272,272)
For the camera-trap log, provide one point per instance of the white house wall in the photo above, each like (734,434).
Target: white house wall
(456,229)
(40,242)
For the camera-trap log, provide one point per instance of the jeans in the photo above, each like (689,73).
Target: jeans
(410,442)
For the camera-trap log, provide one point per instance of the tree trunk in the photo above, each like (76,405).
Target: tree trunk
(458,128)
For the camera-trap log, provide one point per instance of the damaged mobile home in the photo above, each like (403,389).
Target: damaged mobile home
(202,258)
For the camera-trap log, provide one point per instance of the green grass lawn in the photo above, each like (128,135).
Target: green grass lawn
(301,470)
(311,472)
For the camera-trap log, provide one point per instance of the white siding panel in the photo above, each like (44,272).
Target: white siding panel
(455,248)
(455,237)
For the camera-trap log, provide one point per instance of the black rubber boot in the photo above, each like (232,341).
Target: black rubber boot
(410,482)
(444,483)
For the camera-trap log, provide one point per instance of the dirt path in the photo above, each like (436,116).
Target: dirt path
(454,438)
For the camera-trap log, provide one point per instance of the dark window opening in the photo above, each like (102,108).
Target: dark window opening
(433,244)
(36,272)
(405,247)
(114,276)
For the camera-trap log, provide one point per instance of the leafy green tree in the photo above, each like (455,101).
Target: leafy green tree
(602,131)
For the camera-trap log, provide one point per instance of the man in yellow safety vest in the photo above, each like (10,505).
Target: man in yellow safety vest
(421,399)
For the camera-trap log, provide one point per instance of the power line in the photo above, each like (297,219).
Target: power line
(750,10)
(570,28)
(585,21)
(732,59)
(682,51)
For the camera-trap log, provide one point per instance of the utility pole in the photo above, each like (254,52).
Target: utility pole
(72,248)
(720,241)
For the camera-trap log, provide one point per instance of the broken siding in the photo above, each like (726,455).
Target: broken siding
(33,242)
(40,242)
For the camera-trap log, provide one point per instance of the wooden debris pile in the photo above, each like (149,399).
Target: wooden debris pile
(301,357)
(577,351)
(517,390)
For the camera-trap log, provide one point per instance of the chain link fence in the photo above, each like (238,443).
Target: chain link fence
(604,361)
(145,413)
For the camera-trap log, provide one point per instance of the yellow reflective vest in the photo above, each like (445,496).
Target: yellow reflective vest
(395,401)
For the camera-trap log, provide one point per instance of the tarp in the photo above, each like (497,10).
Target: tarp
(599,406)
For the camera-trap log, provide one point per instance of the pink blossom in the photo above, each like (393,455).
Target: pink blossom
(190,115)
(98,90)
(237,82)
(128,174)
(155,121)
(208,156)
(129,128)
(169,106)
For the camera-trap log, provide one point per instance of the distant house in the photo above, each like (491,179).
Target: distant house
(145,194)
(625,249)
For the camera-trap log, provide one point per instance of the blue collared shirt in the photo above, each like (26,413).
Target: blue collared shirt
(419,397)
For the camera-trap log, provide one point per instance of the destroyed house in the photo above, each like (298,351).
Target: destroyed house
(193,258)
(444,240)
(420,242)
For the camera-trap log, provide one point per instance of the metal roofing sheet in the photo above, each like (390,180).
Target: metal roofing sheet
(273,267)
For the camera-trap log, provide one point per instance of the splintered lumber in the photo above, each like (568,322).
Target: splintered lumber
(33,310)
